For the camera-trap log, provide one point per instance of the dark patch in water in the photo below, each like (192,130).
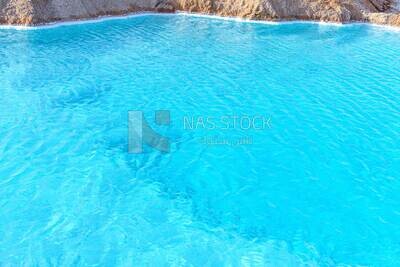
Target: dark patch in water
(81,96)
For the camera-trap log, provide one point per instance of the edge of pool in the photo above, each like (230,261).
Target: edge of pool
(190,14)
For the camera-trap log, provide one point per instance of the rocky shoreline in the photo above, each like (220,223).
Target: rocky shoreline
(38,12)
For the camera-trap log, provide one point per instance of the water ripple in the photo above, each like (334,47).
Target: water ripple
(318,188)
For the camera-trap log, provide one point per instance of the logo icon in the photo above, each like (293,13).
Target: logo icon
(139,132)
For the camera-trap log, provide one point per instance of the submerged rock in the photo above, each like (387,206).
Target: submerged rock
(33,12)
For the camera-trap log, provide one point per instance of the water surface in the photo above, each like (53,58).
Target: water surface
(319,187)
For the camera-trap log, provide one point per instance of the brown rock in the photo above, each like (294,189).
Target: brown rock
(30,12)
(391,19)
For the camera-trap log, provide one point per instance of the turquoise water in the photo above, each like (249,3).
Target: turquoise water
(319,186)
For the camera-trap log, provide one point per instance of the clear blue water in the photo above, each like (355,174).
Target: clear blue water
(319,187)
